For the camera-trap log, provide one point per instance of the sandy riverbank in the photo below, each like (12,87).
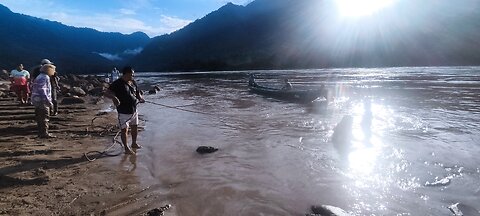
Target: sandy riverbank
(52,176)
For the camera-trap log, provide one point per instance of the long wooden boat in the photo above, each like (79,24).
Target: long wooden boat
(293,95)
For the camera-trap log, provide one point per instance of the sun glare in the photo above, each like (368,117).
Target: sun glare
(358,8)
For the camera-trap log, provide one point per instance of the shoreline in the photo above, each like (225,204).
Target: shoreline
(53,176)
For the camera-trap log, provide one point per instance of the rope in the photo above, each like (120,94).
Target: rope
(178,108)
(104,152)
(115,141)
(193,111)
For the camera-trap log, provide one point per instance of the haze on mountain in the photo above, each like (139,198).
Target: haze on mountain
(265,34)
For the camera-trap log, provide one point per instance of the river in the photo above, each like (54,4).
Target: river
(414,146)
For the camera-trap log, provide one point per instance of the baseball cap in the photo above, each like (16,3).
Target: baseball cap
(45,61)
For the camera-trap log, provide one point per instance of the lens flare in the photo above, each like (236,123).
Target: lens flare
(358,8)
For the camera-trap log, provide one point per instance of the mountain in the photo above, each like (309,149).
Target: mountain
(27,40)
(289,34)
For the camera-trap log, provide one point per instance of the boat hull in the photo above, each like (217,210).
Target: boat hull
(301,96)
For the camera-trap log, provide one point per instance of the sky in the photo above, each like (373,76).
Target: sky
(153,17)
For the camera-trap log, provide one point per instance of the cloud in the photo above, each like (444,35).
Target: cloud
(133,51)
(111,57)
(148,16)
(172,23)
(118,56)
(125,11)
(122,24)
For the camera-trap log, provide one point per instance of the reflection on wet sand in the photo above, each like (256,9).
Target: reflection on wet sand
(132,158)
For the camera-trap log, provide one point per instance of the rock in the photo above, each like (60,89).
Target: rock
(154,90)
(87,87)
(77,91)
(4,75)
(206,149)
(4,87)
(72,100)
(98,91)
(158,211)
(155,212)
(96,83)
(328,210)
(459,209)
(72,78)
(98,101)
(64,88)
(90,77)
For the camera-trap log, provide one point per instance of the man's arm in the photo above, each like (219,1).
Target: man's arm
(110,94)
(138,93)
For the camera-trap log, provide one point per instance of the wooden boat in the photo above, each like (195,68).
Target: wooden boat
(293,95)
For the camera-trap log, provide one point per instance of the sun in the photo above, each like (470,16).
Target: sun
(358,8)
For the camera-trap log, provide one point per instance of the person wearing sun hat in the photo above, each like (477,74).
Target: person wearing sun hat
(42,99)
(54,83)
(36,70)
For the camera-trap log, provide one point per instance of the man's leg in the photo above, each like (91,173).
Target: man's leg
(124,120)
(54,111)
(123,136)
(134,136)
(18,92)
(42,117)
(24,95)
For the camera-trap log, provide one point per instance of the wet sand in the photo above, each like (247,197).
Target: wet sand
(53,176)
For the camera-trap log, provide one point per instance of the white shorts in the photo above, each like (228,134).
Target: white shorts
(125,120)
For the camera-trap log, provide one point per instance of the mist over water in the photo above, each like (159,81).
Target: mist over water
(414,146)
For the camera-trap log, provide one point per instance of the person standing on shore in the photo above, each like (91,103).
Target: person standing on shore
(125,96)
(42,99)
(287,85)
(55,88)
(36,70)
(114,75)
(251,80)
(20,79)
(54,82)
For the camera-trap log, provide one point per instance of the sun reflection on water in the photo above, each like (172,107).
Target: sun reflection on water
(374,165)
(366,138)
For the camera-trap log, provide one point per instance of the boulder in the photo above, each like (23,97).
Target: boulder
(328,210)
(4,75)
(64,88)
(154,90)
(98,91)
(206,149)
(72,100)
(4,87)
(72,78)
(77,91)
(87,87)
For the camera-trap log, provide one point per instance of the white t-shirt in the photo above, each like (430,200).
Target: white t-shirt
(20,77)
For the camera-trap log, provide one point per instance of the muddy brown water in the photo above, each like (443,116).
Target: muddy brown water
(414,148)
